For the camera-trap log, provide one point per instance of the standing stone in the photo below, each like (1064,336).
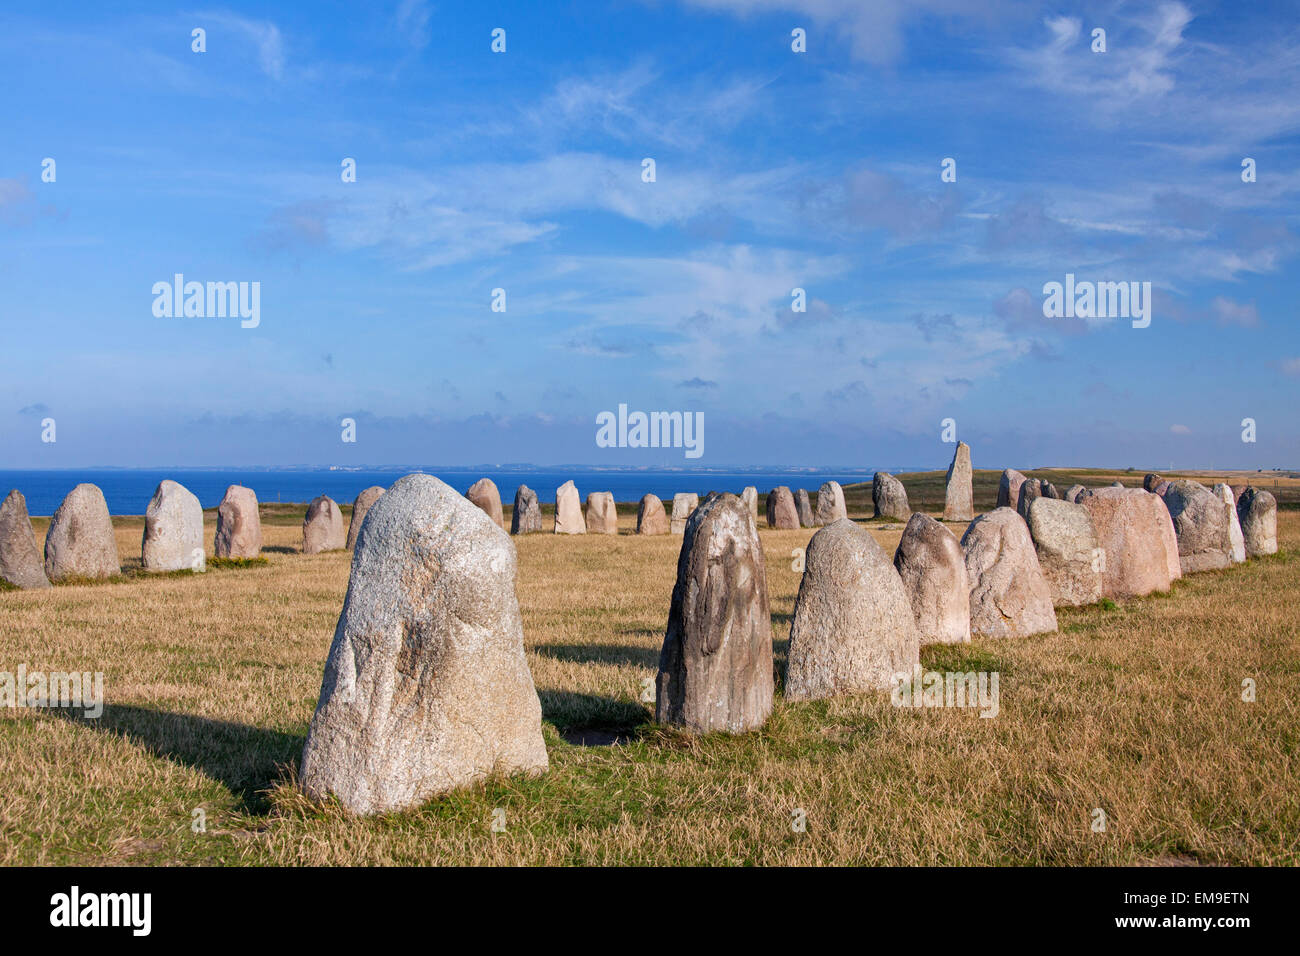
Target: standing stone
(1136,535)
(1009,488)
(750,497)
(1161,487)
(322,528)
(651,517)
(485,496)
(932,568)
(1068,553)
(1150,480)
(1030,491)
(1201,523)
(1074,493)
(360,506)
(1257,512)
(1236,493)
(889,497)
(20,560)
(684,503)
(80,541)
(1234,522)
(1051,491)
(803,507)
(602,516)
(568,510)
(426,686)
(959,495)
(853,629)
(1009,596)
(173,530)
(715,670)
(830,503)
(781,512)
(239,525)
(526,516)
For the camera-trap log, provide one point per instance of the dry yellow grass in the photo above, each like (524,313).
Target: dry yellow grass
(211,681)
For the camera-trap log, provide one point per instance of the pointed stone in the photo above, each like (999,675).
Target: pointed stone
(959,486)
(932,567)
(1257,511)
(360,506)
(80,542)
(322,528)
(526,516)
(173,530)
(568,510)
(1009,596)
(20,559)
(803,507)
(830,503)
(651,517)
(485,496)
(781,512)
(239,525)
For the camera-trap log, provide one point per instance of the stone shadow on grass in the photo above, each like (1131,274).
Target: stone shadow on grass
(630,654)
(570,711)
(246,759)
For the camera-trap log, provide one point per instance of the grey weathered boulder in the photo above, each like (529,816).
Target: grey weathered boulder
(20,559)
(526,516)
(959,488)
(80,541)
(781,512)
(1161,487)
(173,530)
(322,528)
(360,506)
(1068,553)
(830,503)
(750,497)
(803,508)
(1009,596)
(889,497)
(715,669)
(684,503)
(568,510)
(1074,493)
(1051,491)
(1234,522)
(426,686)
(932,567)
(487,498)
(1030,491)
(239,525)
(853,629)
(1137,539)
(651,517)
(1257,511)
(602,516)
(1150,480)
(1009,488)
(1201,524)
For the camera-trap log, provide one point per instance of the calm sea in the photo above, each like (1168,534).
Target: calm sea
(128,491)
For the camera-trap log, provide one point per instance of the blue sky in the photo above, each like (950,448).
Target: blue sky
(774,170)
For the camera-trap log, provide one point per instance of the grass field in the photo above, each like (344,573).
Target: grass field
(211,681)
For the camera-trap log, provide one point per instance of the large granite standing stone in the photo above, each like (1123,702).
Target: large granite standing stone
(568,510)
(1030,491)
(1201,524)
(173,530)
(932,567)
(830,503)
(802,506)
(1009,596)
(684,504)
(20,559)
(80,541)
(1234,522)
(889,497)
(322,528)
(781,512)
(1009,488)
(602,516)
(750,497)
(487,498)
(1257,512)
(526,516)
(959,495)
(1068,553)
(853,629)
(426,686)
(1137,539)
(360,506)
(651,517)
(715,669)
(239,525)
